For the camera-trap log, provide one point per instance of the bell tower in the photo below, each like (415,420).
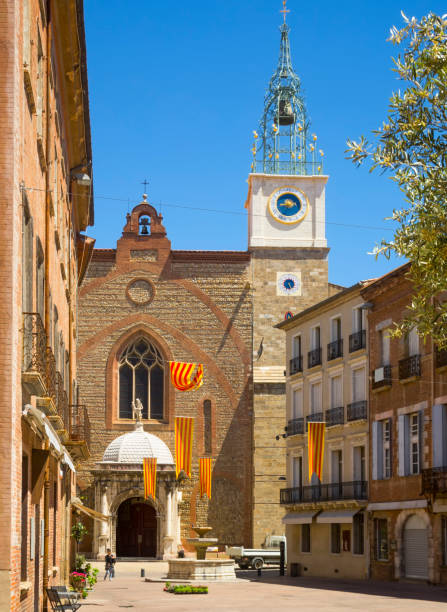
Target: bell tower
(287,243)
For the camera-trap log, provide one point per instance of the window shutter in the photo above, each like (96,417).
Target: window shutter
(413,342)
(438,435)
(377,450)
(403,444)
(421,439)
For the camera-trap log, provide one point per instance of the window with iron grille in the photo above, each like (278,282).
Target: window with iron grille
(141,376)
(381,539)
(335,537)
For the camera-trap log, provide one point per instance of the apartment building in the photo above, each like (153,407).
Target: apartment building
(408,443)
(46,201)
(327,372)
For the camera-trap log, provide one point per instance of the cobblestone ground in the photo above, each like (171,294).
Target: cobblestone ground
(270,592)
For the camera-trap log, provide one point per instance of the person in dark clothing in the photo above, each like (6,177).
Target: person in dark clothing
(110,560)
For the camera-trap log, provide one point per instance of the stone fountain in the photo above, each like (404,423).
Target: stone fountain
(201,568)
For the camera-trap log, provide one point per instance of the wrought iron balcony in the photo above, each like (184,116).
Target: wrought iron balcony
(50,375)
(296,365)
(357,489)
(316,417)
(381,377)
(357,411)
(434,480)
(79,437)
(310,168)
(335,349)
(34,353)
(410,367)
(62,401)
(314,357)
(440,357)
(335,416)
(79,423)
(357,340)
(295,426)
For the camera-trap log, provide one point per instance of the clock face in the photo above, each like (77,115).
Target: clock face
(288,283)
(288,205)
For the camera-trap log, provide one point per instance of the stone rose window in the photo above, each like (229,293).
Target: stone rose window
(141,375)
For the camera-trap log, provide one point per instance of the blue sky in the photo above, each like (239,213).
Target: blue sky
(176,89)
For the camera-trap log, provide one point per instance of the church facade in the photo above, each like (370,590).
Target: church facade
(143,304)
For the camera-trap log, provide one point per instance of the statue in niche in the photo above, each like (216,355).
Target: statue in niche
(137,410)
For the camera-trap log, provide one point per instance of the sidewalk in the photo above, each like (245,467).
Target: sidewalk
(270,592)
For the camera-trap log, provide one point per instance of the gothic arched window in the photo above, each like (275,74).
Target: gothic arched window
(141,375)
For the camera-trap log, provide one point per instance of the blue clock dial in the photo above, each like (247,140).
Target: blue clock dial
(289,284)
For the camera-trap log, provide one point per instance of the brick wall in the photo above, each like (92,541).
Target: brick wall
(200,311)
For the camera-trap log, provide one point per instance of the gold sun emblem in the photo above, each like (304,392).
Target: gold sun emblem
(289,203)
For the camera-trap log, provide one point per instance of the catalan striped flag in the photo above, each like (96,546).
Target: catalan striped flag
(150,476)
(181,373)
(205,469)
(315,441)
(184,427)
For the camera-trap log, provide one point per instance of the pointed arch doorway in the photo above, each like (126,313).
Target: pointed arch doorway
(136,529)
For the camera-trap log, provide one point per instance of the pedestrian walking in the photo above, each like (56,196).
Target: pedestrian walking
(110,560)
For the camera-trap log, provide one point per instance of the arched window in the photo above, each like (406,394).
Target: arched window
(141,375)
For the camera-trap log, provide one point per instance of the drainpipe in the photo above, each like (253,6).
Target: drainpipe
(46,489)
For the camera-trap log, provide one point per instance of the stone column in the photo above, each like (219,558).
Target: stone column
(168,540)
(104,528)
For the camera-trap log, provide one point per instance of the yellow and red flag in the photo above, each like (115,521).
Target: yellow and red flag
(315,441)
(150,476)
(184,427)
(205,468)
(181,373)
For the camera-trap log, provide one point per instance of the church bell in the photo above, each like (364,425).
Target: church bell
(286,114)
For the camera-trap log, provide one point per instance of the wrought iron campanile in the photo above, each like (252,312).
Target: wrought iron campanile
(282,145)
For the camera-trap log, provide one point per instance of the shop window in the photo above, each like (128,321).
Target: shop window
(358,527)
(305,538)
(444,540)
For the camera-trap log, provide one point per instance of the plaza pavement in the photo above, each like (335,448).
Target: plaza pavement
(269,592)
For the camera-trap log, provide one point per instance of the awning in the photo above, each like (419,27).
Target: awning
(67,460)
(337,516)
(98,516)
(298,518)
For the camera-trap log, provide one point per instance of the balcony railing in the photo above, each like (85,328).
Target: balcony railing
(50,375)
(314,357)
(434,480)
(357,489)
(296,365)
(335,416)
(410,367)
(295,426)
(316,417)
(62,401)
(440,357)
(335,349)
(34,344)
(381,377)
(79,424)
(357,340)
(357,411)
